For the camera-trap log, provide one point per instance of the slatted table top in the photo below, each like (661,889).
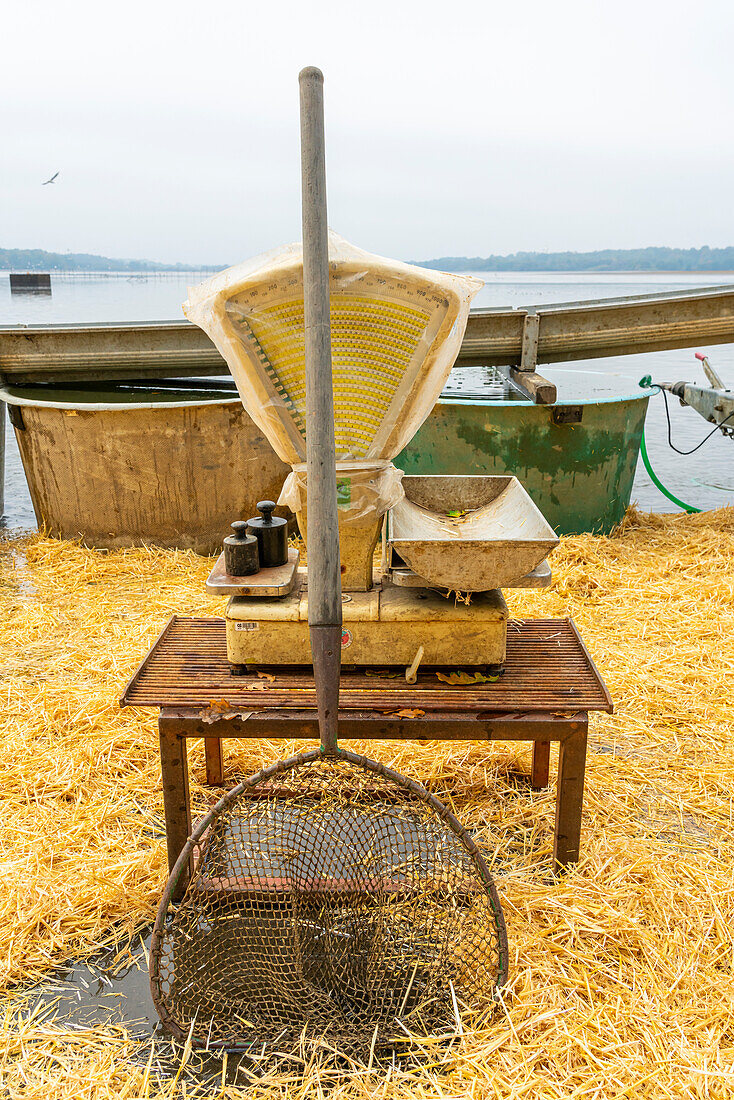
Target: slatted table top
(547,670)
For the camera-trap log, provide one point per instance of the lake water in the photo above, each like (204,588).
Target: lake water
(705,479)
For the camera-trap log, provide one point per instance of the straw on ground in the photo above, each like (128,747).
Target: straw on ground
(622,972)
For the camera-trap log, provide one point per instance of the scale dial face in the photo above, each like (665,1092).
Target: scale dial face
(381,328)
(395,333)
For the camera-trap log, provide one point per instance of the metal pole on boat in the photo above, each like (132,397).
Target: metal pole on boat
(322,534)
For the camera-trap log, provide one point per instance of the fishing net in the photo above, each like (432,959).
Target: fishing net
(327,897)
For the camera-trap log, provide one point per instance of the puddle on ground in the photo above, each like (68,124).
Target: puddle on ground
(108,989)
(16,576)
(112,989)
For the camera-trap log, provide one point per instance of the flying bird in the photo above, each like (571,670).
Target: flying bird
(52,180)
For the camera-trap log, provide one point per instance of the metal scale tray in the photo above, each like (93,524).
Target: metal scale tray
(471,534)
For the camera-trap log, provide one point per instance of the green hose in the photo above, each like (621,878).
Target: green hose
(647,383)
(656,480)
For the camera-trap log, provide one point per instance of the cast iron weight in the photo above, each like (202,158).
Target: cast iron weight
(271,533)
(241,551)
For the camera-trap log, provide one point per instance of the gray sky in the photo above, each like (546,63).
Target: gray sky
(452,129)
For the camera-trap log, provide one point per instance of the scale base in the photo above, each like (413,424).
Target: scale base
(385,626)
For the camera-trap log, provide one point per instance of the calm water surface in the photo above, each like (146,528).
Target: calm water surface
(705,479)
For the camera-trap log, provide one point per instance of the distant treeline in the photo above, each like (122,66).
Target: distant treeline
(35,259)
(607,259)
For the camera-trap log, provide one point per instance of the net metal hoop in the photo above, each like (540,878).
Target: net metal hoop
(280,767)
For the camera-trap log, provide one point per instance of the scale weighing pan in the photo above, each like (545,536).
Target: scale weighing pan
(494,539)
(269,583)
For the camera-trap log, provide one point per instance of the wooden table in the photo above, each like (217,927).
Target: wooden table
(549,686)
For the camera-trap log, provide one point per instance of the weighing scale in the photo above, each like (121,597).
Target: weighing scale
(432,594)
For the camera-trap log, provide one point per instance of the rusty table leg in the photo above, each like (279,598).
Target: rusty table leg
(175,777)
(540,766)
(214,761)
(570,797)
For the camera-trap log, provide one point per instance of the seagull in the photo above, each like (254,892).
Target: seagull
(52,180)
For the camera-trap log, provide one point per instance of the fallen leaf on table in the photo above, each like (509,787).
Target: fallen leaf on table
(209,718)
(466,678)
(410,713)
(220,704)
(381,672)
(266,676)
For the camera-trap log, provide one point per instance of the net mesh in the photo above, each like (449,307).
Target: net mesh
(331,899)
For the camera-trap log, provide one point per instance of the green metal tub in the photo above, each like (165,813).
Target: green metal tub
(577,459)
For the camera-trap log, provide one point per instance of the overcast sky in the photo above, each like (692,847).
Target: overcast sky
(452,129)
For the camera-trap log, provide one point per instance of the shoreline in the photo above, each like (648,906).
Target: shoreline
(423,263)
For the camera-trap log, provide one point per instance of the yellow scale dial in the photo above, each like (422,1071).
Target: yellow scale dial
(373,342)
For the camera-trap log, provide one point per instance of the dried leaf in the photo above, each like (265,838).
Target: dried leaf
(410,713)
(266,676)
(220,704)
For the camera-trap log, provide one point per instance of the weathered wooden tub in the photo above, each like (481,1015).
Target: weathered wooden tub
(124,464)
